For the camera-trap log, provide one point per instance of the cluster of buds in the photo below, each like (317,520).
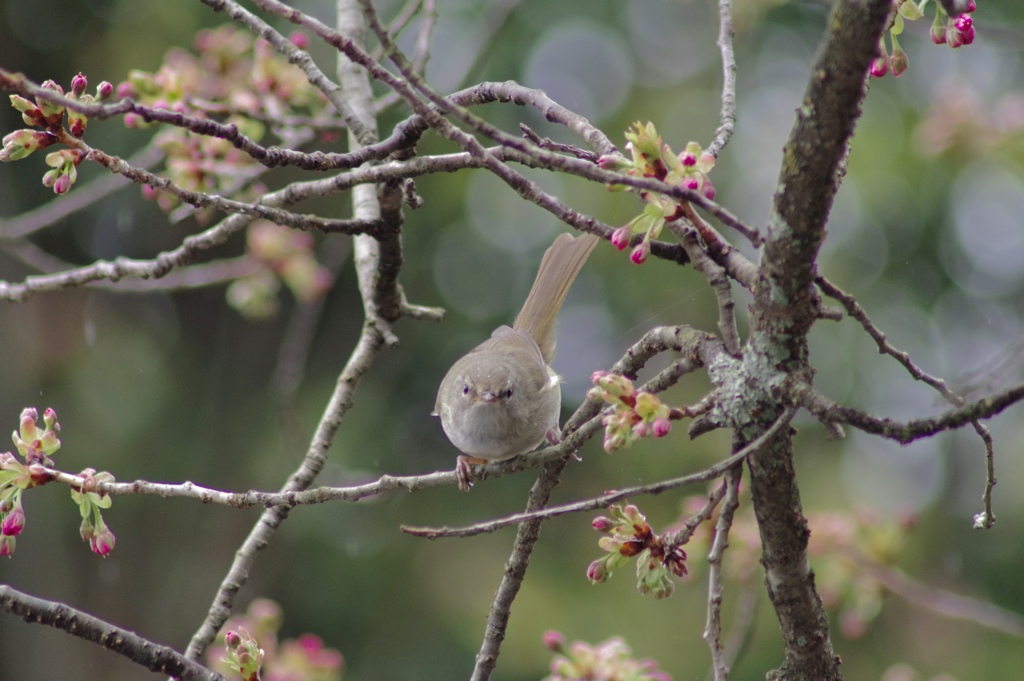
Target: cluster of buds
(42,113)
(93,529)
(35,445)
(651,157)
(285,255)
(945,29)
(611,659)
(305,657)
(12,515)
(627,535)
(955,32)
(243,655)
(636,413)
(231,73)
(856,594)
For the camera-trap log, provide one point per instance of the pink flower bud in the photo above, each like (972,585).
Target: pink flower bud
(613,162)
(596,572)
(691,183)
(971,6)
(299,39)
(620,237)
(62,185)
(938,34)
(102,543)
(78,85)
(642,429)
(880,67)
(965,25)
(554,640)
(687,159)
(125,90)
(50,419)
(661,427)
(603,524)
(104,90)
(232,639)
(13,523)
(708,190)
(613,442)
(641,252)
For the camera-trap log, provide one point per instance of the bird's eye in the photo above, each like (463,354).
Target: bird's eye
(508,393)
(465,390)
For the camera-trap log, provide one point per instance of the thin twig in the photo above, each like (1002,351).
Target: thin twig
(728,113)
(713,626)
(300,58)
(683,536)
(987,518)
(716,276)
(84,196)
(515,571)
(829,410)
(605,500)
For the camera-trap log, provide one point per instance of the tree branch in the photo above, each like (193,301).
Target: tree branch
(130,645)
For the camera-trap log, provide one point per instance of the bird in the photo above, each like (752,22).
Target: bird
(502,398)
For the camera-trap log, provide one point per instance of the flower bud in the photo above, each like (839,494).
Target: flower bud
(708,190)
(6,545)
(641,252)
(21,143)
(78,85)
(14,522)
(647,404)
(299,39)
(596,572)
(104,90)
(554,640)
(642,429)
(880,67)
(965,26)
(898,62)
(52,112)
(62,184)
(102,543)
(125,90)
(232,640)
(613,162)
(620,237)
(938,34)
(30,113)
(603,524)
(661,427)
(613,442)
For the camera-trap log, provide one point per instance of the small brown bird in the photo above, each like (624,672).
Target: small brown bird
(502,398)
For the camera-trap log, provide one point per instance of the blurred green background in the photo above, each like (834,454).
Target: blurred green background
(927,231)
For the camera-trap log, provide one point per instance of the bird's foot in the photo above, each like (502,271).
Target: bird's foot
(464,473)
